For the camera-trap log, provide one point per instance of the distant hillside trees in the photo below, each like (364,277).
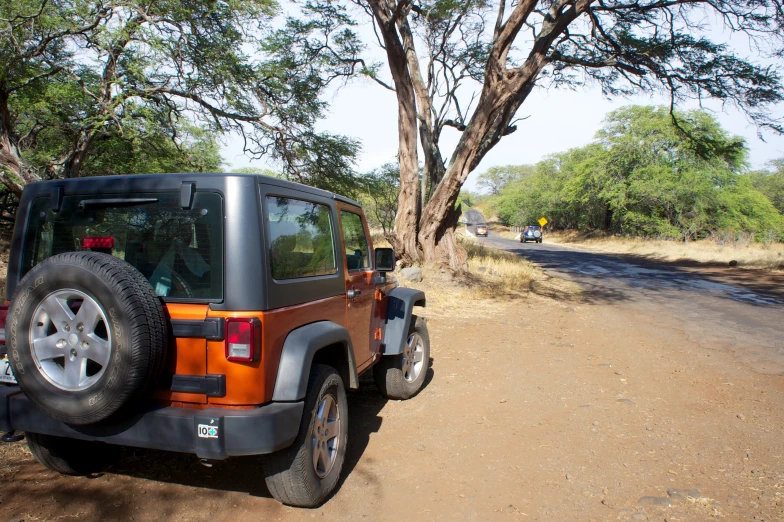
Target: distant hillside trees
(771,183)
(647,175)
(494,179)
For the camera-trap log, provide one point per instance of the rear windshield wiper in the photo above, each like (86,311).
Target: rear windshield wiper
(115,202)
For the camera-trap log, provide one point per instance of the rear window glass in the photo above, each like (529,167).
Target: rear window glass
(180,252)
(301,242)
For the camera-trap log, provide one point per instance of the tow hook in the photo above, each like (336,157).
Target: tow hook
(207,463)
(12,437)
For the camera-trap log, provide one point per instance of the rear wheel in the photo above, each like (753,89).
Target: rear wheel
(71,456)
(401,376)
(306,473)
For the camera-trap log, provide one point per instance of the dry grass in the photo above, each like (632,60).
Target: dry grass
(11,454)
(745,252)
(505,232)
(705,506)
(378,239)
(494,275)
(499,270)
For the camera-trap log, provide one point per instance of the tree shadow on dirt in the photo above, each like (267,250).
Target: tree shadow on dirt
(244,474)
(147,484)
(364,406)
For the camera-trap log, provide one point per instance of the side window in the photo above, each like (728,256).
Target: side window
(301,242)
(357,251)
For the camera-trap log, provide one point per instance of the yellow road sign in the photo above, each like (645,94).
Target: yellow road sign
(543,221)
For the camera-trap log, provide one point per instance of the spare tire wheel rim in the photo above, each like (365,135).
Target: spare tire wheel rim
(413,357)
(70,339)
(326,435)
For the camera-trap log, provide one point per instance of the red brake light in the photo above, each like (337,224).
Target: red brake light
(243,336)
(98,242)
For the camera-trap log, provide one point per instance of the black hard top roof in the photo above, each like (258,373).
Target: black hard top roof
(194,176)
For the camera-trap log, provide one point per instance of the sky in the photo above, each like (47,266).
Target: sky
(556,120)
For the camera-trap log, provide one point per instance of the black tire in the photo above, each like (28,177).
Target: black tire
(388,372)
(291,474)
(71,456)
(136,344)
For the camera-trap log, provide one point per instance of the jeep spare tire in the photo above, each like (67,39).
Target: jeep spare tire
(86,336)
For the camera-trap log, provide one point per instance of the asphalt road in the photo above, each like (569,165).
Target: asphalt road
(474,217)
(719,307)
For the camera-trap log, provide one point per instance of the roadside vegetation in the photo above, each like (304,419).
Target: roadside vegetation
(646,175)
(493,276)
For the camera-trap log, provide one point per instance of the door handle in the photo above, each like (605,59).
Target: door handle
(353,293)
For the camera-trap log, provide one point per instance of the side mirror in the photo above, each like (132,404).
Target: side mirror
(385,259)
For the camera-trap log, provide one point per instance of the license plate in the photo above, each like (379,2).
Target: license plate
(5,371)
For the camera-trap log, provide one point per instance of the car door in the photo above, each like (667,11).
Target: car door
(360,287)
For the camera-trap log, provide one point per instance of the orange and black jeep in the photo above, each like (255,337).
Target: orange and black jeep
(214,314)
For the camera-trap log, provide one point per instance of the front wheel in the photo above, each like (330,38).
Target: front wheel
(306,473)
(401,376)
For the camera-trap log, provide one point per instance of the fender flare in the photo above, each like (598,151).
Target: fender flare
(399,311)
(296,358)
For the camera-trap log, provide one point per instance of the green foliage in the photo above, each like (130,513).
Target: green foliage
(646,176)
(379,194)
(494,179)
(324,161)
(150,150)
(257,170)
(466,199)
(91,88)
(771,183)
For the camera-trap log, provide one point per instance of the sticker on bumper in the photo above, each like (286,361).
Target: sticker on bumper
(206,431)
(5,371)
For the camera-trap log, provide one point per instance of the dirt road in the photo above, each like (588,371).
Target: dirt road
(534,410)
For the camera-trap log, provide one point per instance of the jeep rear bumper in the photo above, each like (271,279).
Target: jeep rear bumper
(213,433)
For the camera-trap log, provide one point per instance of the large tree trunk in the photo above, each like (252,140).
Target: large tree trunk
(14,174)
(73,164)
(436,215)
(408,204)
(407,217)
(488,124)
(503,92)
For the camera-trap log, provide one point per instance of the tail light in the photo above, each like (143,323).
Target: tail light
(243,339)
(3,317)
(104,242)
